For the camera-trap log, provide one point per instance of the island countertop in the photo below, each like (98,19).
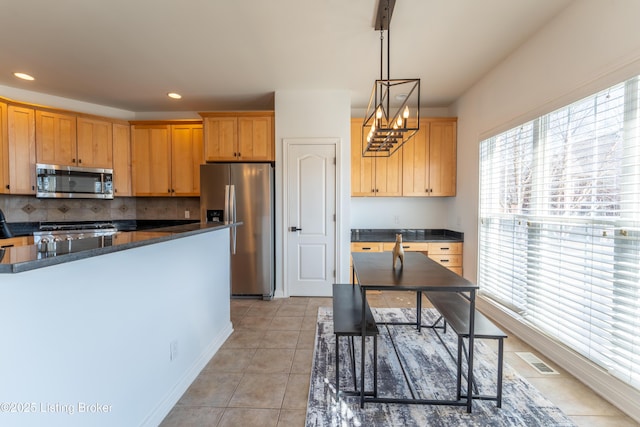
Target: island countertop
(24,258)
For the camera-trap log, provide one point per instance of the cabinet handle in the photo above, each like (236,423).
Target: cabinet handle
(168,190)
(366,249)
(79,160)
(73,160)
(376,190)
(406,247)
(445,249)
(444,260)
(8,187)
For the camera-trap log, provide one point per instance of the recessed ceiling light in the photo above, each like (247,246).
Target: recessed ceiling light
(24,76)
(174,95)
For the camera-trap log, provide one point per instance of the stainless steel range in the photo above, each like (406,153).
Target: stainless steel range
(63,238)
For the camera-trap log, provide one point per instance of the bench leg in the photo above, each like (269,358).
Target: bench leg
(459,369)
(500,362)
(419,309)
(337,366)
(375,366)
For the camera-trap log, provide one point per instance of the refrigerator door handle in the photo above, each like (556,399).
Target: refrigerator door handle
(225,215)
(232,208)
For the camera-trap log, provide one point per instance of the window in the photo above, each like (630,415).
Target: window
(559,231)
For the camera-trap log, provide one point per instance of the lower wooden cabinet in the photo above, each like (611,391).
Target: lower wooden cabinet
(16,241)
(448,254)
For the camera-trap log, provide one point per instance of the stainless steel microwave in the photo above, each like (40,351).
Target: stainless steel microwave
(73,182)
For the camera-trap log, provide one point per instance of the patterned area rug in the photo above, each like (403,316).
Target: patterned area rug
(432,372)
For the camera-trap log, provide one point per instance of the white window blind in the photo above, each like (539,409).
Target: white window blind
(560,226)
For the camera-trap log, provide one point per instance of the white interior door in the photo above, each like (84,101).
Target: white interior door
(311,226)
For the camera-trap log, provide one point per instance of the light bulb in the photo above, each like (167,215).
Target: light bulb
(405,114)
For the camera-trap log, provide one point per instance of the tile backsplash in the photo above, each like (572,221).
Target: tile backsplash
(30,209)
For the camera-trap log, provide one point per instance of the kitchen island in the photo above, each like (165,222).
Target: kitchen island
(114,335)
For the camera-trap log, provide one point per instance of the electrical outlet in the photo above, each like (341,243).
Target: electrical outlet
(173,350)
(187,214)
(396,219)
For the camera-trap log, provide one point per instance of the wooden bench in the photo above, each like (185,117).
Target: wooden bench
(347,322)
(454,310)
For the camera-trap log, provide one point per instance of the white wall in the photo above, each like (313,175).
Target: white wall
(315,114)
(398,212)
(99,331)
(591,45)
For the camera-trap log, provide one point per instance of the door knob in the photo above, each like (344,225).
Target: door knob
(294,228)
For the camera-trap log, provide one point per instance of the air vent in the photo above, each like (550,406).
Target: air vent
(536,363)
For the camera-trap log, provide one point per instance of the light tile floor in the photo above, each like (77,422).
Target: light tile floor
(260,376)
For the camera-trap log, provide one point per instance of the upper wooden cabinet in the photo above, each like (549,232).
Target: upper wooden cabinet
(18,147)
(121,160)
(4,149)
(424,166)
(373,176)
(94,143)
(238,136)
(186,158)
(166,158)
(64,139)
(430,160)
(56,138)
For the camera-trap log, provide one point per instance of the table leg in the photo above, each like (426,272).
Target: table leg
(419,309)
(363,337)
(472,311)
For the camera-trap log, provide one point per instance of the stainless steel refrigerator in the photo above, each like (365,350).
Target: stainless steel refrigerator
(243,192)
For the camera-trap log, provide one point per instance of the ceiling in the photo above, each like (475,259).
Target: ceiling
(234,54)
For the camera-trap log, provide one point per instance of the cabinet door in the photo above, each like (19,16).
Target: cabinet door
(4,150)
(255,138)
(389,175)
(186,158)
(151,160)
(442,165)
(415,168)
(221,138)
(121,160)
(55,138)
(95,143)
(362,168)
(22,150)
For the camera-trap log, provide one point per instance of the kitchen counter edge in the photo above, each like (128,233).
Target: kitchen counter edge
(164,234)
(408,235)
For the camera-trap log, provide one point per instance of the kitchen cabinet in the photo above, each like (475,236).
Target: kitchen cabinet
(16,241)
(166,158)
(121,160)
(67,139)
(186,158)
(448,254)
(425,166)
(19,151)
(56,138)
(4,148)
(362,247)
(373,176)
(238,136)
(429,160)
(94,143)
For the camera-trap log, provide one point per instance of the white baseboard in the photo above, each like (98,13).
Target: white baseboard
(173,396)
(619,394)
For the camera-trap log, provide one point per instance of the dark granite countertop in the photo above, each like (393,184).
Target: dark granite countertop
(24,258)
(408,235)
(19,229)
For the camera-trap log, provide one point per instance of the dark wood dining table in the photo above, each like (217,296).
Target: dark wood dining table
(418,274)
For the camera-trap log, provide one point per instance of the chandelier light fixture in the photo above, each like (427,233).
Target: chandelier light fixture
(393,113)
